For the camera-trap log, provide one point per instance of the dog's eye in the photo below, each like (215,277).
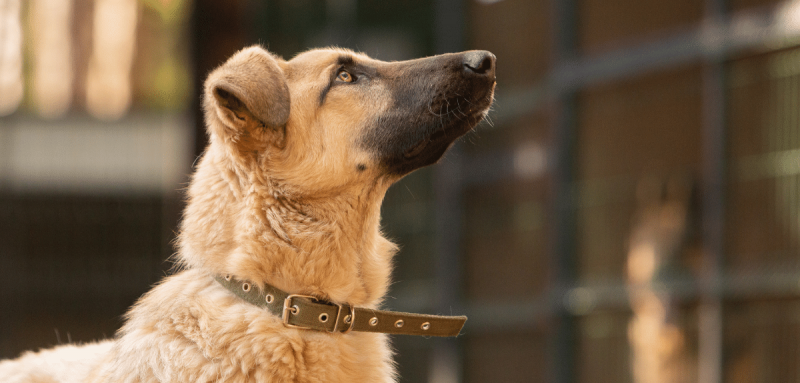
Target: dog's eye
(345,76)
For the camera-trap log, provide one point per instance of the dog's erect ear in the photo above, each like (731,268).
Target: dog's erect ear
(249,96)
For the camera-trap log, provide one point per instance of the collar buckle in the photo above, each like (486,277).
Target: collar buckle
(288,308)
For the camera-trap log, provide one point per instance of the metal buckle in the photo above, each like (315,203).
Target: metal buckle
(339,314)
(287,307)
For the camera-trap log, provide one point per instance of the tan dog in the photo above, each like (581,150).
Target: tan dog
(288,194)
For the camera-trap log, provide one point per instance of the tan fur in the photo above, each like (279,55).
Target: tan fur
(275,199)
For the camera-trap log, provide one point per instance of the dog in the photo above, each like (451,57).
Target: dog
(284,210)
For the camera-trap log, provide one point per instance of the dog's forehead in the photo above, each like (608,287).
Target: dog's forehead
(319,59)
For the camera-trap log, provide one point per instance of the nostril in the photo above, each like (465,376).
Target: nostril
(479,62)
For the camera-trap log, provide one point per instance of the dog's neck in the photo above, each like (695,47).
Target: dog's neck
(251,228)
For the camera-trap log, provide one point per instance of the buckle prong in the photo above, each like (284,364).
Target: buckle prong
(288,308)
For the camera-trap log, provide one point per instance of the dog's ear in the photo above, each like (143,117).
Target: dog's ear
(248,95)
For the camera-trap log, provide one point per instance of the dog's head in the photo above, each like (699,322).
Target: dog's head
(301,153)
(332,118)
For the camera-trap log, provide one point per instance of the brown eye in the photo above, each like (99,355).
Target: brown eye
(344,76)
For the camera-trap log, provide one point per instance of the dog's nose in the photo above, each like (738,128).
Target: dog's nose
(479,62)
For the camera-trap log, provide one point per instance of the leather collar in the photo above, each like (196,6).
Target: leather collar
(306,312)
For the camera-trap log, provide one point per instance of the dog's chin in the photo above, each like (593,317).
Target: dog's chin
(432,147)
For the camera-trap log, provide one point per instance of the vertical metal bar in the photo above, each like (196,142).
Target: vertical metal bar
(710,310)
(218,31)
(713,213)
(341,21)
(562,252)
(449,25)
(447,364)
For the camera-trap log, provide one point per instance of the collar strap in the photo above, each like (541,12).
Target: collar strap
(306,312)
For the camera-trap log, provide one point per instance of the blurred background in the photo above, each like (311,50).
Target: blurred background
(631,214)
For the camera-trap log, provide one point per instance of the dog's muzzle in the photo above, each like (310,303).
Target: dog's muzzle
(438,100)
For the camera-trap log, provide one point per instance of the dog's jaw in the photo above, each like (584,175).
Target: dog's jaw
(432,146)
